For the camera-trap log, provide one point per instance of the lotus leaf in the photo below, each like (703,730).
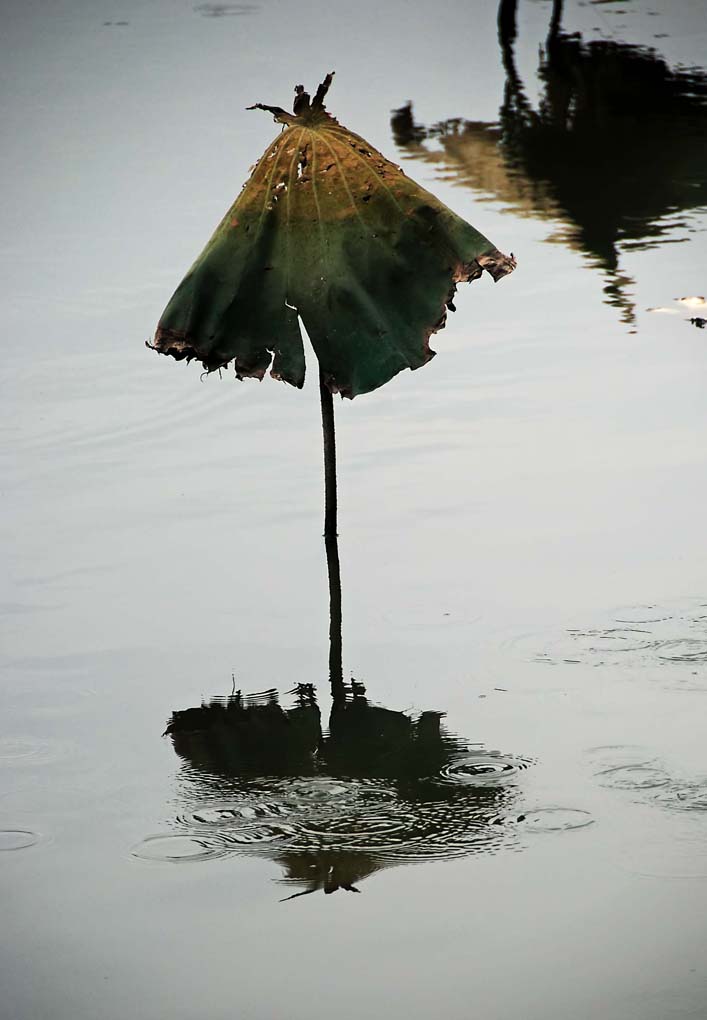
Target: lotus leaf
(327,230)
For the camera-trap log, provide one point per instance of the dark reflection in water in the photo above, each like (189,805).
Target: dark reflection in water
(378,789)
(616,149)
(225,10)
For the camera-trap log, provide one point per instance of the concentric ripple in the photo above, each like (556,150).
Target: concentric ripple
(220,815)
(482,769)
(180,847)
(685,796)
(642,776)
(466,809)
(557,819)
(21,751)
(17,839)
(648,636)
(627,767)
(633,769)
(683,650)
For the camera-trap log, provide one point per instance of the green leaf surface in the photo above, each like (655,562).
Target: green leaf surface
(329,230)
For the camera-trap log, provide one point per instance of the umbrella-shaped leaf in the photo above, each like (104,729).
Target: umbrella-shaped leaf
(329,230)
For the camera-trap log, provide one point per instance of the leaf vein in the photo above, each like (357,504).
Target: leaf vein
(347,136)
(287,210)
(345,182)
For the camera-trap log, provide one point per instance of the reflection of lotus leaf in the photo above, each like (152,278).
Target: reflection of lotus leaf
(381,790)
(353,827)
(616,148)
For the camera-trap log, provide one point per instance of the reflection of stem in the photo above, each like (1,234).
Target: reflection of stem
(507,29)
(515,110)
(507,23)
(555,21)
(336,671)
(514,97)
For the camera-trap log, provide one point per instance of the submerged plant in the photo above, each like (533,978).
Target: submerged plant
(326,231)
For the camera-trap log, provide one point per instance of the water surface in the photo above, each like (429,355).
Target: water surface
(521,531)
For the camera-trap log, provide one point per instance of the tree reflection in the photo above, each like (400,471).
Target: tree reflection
(615,151)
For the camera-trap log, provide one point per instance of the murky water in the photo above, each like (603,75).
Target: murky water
(521,534)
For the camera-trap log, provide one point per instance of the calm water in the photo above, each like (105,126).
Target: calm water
(521,535)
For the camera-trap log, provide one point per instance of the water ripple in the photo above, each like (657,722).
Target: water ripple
(463,810)
(644,776)
(481,769)
(643,636)
(180,847)
(24,751)
(557,819)
(631,768)
(689,795)
(17,839)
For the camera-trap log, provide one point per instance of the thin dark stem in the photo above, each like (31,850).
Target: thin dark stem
(330,509)
(555,20)
(336,669)
(331,541)
(507,30)
(515,104)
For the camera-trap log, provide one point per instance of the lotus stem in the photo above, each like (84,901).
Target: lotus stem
(331,541)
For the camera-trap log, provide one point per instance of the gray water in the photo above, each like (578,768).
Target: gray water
(521,537)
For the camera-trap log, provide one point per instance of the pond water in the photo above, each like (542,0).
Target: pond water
(522,534)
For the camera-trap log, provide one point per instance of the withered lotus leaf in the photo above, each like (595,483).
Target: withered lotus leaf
(329,230)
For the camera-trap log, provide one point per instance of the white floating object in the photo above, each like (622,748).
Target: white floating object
(664,311)
(692,302)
